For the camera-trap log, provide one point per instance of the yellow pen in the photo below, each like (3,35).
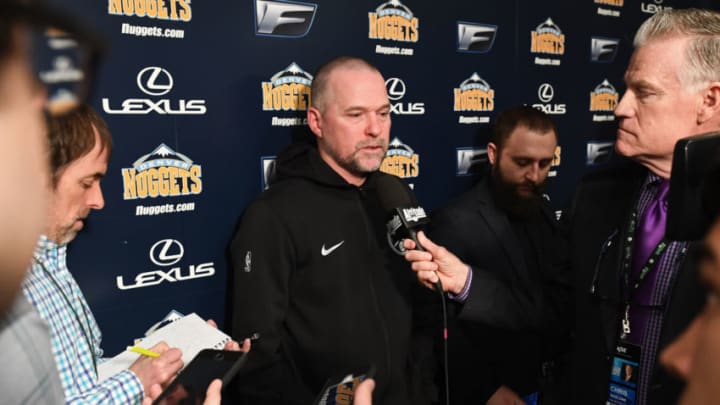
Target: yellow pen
(144,352)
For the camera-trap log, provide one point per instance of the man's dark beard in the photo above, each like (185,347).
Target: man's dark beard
(507,198)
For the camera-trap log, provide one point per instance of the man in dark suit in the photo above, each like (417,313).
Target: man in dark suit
(511,295)
(635,291)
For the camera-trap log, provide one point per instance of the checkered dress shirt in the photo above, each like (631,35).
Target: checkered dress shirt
(667,267)
(74,332)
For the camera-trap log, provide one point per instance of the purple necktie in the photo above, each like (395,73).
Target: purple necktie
(651,227)
(650,231)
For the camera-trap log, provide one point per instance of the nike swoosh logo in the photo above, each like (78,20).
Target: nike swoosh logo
(326,251)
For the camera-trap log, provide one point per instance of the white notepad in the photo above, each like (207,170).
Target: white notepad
(189,334)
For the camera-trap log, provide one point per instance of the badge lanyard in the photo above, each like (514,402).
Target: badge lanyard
(86,334)
(651,261)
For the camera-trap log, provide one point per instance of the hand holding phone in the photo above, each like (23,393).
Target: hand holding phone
(191,384)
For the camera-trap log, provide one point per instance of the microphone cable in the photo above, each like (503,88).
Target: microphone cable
(439,288)
(394,195)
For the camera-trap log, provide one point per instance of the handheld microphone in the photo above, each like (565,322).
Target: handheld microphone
(405,216)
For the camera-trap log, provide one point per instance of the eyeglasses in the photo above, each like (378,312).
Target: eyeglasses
(64,55)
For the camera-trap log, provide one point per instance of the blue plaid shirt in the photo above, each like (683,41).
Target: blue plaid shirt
(75,334)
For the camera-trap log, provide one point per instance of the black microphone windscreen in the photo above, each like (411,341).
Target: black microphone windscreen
(392,193)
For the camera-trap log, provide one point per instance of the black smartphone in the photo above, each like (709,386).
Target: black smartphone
(190,385)
(694,193)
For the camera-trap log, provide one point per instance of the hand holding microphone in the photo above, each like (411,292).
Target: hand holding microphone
(435,263)
(435,266)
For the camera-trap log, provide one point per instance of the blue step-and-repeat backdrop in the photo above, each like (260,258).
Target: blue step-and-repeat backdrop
(201,95)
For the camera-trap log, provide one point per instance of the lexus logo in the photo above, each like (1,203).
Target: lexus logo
(545,92)
(154,81)
(395,88)
(283,18)
(166,252)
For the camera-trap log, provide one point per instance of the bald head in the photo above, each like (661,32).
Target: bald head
(321,92)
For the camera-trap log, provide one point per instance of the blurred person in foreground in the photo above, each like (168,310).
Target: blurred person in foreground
(27,30)
(28,374)
(695,355)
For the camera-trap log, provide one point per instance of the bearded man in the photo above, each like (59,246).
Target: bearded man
(507,275)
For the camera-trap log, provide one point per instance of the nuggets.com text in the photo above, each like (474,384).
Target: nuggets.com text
(143,31)
(164,209)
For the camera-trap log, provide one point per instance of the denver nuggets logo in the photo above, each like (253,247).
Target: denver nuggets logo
(617,3)
(401,161)
(162,173)
(393,21)
(547,38)
(604,97)
(287,90)
(474,94)
(173,10)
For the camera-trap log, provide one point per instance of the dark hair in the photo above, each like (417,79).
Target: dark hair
(530,117)
(320,79)
(72,136)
